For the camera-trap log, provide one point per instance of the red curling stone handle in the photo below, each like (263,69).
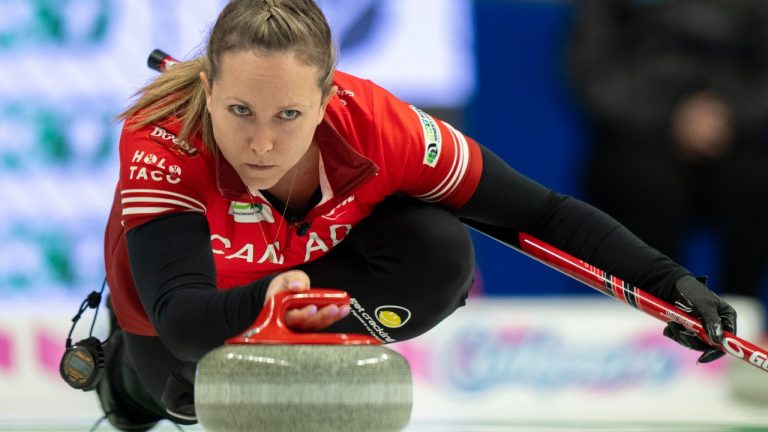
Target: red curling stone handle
(270,327)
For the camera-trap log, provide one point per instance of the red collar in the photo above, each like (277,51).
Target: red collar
(345,168)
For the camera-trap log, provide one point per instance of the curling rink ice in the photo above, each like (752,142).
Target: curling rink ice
(473,427)
(499,364)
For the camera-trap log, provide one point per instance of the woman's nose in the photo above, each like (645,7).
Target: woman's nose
(261,142)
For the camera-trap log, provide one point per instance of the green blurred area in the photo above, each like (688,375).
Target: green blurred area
(39,257)
(54,23)
(56,134)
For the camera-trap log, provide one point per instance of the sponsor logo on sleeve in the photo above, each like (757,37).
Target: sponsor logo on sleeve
(392,316)
(358,311)
(167,139)
(433,140)
(342,94)
(251,213)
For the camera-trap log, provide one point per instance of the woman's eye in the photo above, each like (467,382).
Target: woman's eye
(289,114)
(240,110)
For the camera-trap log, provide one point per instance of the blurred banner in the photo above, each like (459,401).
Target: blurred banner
(494,361)
(69,66)
(564,360)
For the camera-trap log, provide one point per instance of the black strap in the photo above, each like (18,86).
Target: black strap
(92,301)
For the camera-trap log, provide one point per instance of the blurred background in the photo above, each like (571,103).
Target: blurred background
(513,74)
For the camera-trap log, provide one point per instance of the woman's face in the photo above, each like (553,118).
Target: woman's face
(264,110)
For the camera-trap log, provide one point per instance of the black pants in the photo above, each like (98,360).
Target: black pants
(409,260)
(659,197)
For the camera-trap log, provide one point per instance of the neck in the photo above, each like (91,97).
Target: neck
(300,182)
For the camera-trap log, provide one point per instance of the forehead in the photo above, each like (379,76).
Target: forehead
(248,74)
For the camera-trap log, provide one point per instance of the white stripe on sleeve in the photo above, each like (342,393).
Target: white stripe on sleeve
(160,200)
(190,201)
(144,210)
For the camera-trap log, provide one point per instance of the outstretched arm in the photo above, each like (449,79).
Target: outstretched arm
(506,203)
(174,273)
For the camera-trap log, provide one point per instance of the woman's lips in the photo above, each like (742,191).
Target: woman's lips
(258,167)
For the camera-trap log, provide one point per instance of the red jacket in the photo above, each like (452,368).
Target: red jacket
(372,145)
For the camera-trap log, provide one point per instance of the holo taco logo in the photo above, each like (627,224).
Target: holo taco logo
(392,316)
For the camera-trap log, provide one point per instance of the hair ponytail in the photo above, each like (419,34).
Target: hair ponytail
(176,92)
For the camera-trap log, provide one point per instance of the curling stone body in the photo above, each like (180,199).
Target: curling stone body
(297,388)
(272,379)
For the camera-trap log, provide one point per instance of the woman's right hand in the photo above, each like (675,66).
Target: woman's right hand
(308,318)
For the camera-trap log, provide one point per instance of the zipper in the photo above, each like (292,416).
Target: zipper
(300,225)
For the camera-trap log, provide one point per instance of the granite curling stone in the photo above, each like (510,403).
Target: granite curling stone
(296,388)
(272,379)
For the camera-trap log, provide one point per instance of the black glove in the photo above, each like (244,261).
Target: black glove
(693,297)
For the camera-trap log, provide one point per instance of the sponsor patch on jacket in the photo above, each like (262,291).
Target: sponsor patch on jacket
(433,140)
(167,139)
(251,213)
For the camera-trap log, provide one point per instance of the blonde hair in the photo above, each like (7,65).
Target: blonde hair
(273,26)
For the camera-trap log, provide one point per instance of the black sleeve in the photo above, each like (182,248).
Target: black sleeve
(173,269)
(506,203)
